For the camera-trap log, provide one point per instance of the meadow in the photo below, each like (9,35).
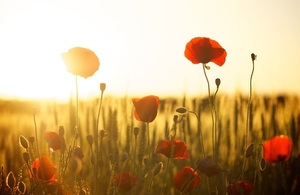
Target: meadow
(123,147)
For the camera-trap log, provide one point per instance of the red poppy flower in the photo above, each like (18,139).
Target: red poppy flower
(54,140)
(43,168)
(208,167)
(124,181)
(186,179)
(81,61)
(277,149)
(204,50)
(146,108)
(240,188)
(179,149)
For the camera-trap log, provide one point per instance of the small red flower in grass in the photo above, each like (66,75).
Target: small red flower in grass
(186,179)
(204,50)
(81,61)
(43,168)
(145,108)
(54,140)
(179,149)
(208,167)
(124,181)
(277,149)
(240,188)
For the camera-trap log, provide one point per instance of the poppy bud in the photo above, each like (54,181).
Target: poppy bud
(102,133)
(218,82)
(23,142)
(157,168)
(31,139)
(78,152)
(10,180)
(61,131)
(140,158)
(124,156)
(250,150)
(90,139)
(175,118)
(21,187)
(253,56)
(181,110)
(26,157)
(135,131)
(102,86)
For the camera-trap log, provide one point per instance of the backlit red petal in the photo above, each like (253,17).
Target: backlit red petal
(277,149)
(186,179)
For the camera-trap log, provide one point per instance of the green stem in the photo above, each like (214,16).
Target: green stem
(247,119)
(96,135)
(212,113)
(76,112)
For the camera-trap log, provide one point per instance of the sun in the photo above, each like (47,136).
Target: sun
(33,41)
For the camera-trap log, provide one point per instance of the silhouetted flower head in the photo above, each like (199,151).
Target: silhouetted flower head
(208,167)
(81,61)
(240,188)
(145,108)
(54,140)
(179,149)
(43,168)
(204,50)
(186,179)
(124,181)
(277,149)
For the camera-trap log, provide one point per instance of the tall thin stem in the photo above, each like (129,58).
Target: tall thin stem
(76,111)
(212,112)
(253,57)
(37,147)
(96,135)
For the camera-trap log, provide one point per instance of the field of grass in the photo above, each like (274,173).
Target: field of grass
(120,149)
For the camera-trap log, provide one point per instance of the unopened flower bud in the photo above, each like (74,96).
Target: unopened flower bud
(135,131)
(124,156)
(61,131)
(23,142)
(157,168)
(90,139)
(31,140)
(181,110)
(140,158)
(26,157)
(102,86)
(78,152)
(253,56)
(175,118)
(218,82)
(102,133)
(250,150)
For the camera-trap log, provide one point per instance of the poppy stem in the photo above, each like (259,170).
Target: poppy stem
(96,135)
(76,111)
(212,112)
(37,148)
(248,126)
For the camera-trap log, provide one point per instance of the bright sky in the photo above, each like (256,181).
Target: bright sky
(141,45)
